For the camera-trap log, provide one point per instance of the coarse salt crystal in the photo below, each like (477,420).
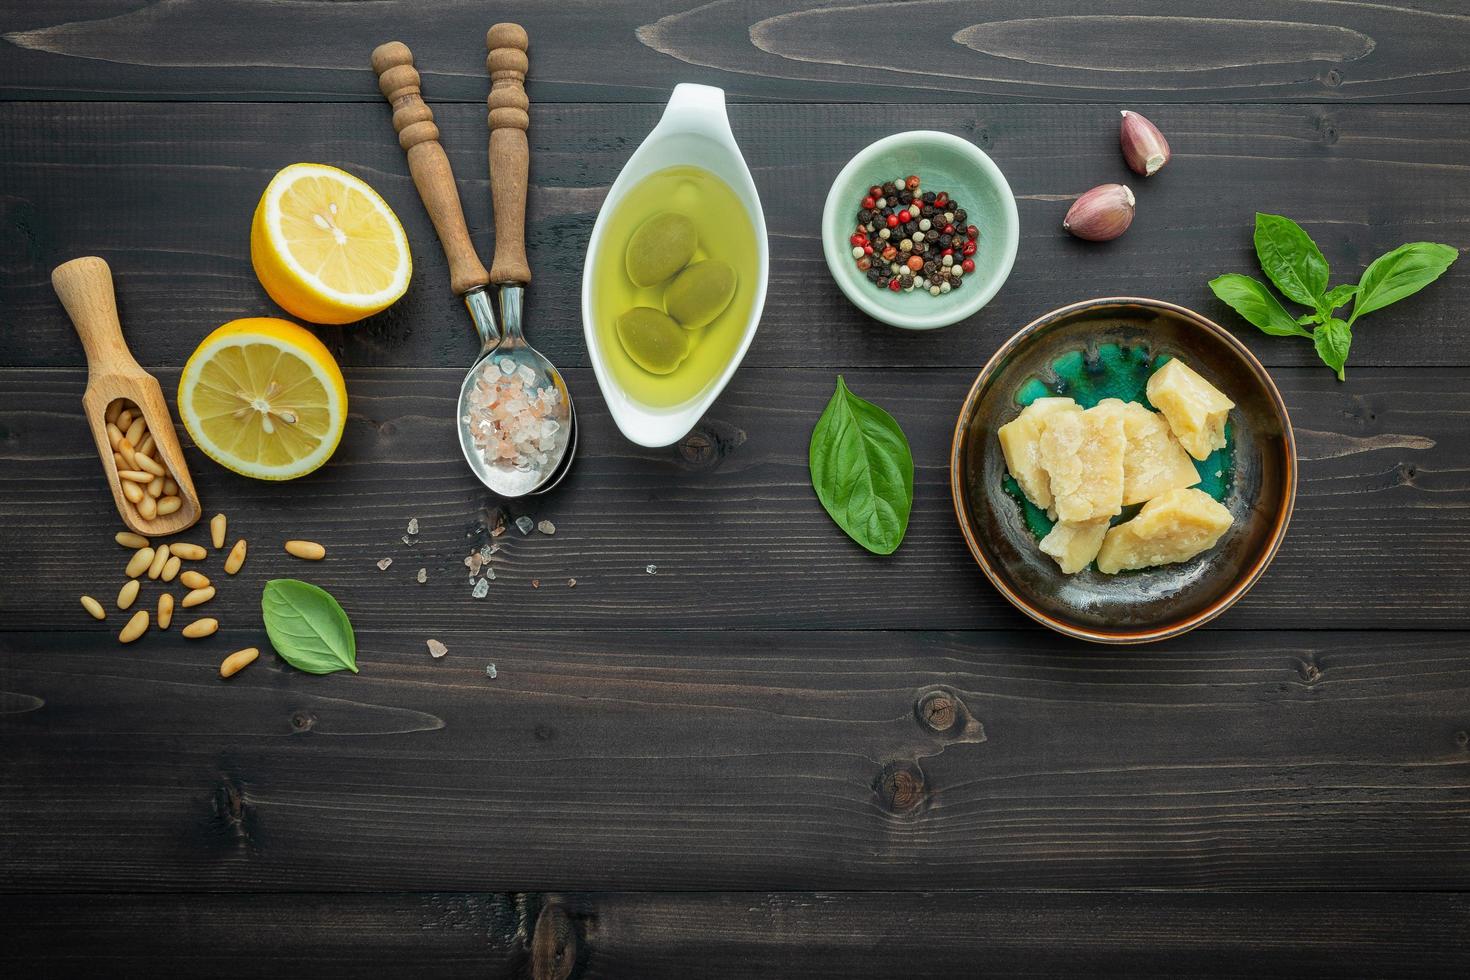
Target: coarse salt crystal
(490,671)
(524,524)
(651,569)
(546,527)
(384,563)
(413,525)
(423,575)
(437,649)
(482,588)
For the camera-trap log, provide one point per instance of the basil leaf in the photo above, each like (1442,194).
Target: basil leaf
(862,471)
(1333,339)
(307,627)
(1291,259)
(1400,273)
(1338,295)
(1252,300)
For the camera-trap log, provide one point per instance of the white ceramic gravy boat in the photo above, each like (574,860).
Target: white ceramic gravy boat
(694,131)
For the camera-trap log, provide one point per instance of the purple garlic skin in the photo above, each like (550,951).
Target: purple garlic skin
(1144,147)
(1101,214)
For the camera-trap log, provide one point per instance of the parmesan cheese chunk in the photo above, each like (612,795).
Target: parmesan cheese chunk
(1196,409)
(1074,544)
(1154,462)
(1082,455)
(1020,440)
(1170,528)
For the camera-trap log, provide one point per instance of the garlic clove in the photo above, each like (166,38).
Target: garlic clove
(1144,147)
(1101,214)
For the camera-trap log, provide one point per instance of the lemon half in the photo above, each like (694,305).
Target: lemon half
(326,247)
(265,398)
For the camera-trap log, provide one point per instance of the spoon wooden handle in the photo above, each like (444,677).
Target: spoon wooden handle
(419,136)
(85,288)
(510,157)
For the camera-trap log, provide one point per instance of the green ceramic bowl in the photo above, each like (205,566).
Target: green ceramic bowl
(944,163)
(1089,340)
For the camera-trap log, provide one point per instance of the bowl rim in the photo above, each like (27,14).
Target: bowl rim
(1221,603)
(975,302)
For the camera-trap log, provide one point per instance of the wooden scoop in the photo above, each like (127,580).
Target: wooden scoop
(85,288)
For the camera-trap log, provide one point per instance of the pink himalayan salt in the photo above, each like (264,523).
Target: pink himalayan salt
(513,424)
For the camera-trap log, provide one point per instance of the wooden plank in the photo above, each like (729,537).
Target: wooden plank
(714,935)
(725,759)
(791,50)
(728,517)
(165,192)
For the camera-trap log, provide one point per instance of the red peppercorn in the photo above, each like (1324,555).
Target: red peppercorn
(869,203)
(875,192)
(968,265)
(912,183)
(867,249)
(949,229)
(859,239)
(969,248)
(864,263)
(892,220)
(972,232)
(903,218)
(893,284)
(890,253)
(941,199)
(915,263)
(948,251)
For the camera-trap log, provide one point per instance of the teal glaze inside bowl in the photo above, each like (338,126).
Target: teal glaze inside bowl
(943,163)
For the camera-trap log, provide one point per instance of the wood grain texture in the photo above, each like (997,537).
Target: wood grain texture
(165,193)
(781,50)
(728,515)
(717,935)
(726,759)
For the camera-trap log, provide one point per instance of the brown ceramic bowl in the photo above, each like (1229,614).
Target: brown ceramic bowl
(1152,604)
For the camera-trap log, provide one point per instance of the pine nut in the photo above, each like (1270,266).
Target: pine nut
(198,597)
(147,507)
(114,435)
(125,418)
(154,488)
(132,491)
(201,628)
(308,550)
(130,540)
(194,580)
(125,448)
(128,594)
(113,411)
(170,488)
(238,661)
(189,551)
(217,525)
(119,462)
(167,505)
(236,558)
(146,446)
(135,431)
(135,476)
(136,627)
(148,463)
(171,568)
(139,563)
(165,610)
(160,558)
(93,607)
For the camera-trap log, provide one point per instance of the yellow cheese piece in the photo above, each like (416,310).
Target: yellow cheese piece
(1074,544)
(1020,440)
(1154,461)
(1172,527)
(1196,409)
(1082,455)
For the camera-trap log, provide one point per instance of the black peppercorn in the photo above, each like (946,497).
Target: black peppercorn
(931,235)
(960,216)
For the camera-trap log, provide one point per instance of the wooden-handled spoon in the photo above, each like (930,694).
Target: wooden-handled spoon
(85,288)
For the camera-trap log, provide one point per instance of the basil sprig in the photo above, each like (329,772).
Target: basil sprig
(862,471)
(1296,266)
(307,627)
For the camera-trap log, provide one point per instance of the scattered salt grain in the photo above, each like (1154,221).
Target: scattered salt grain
(546,527)
(488,550)
(384,563)
(651,569)
(524,524)
(407,539)
(490,574)
(482,589)
(571,583)
(423,575)
(437,649)
(535,583)
(490,671)
(413,525)
(473,563)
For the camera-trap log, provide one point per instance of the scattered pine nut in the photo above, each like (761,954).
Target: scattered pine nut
(189,551)
(194,580)
(201,628)
(135,476)
(135,430)
(171,568)
(127,594)
(167,505)
(170,488)
(236,558)
(309,550)
(150,464)
(132,491)
(154,488)
(217,525)
(165,610)
(130,540)
(93,607)
(160,558)
(147,507)
(136,627)
(140,562)
(238,661)
(197,597)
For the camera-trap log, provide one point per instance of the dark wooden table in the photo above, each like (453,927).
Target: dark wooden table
(718,769)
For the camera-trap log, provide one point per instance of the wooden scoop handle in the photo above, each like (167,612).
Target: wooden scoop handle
(510,157)
(85,288)
(419,136)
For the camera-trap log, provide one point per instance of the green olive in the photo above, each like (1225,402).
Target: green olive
(700,293)
(653,340)
(660,247)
